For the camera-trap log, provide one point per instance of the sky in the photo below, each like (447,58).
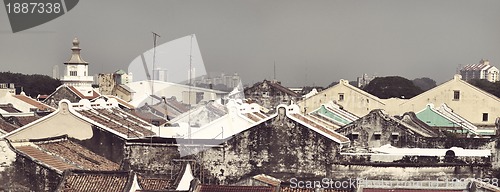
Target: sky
(313,42)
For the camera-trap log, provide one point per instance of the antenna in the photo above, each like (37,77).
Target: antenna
(274,69)
(190,77)
(155,35)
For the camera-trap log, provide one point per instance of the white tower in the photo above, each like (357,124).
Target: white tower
(76,73)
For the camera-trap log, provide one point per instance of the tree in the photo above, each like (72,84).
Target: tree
(424,83)
(492,88)
(32,85)
(392,86)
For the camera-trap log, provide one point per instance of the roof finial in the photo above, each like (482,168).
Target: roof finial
(76,43)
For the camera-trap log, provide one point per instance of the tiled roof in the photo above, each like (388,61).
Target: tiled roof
(9,108)
(226,188)
(334,134)
(39,105)
(96,181)
(45,158)
(78,155)
(267,179)
(24,120)
(283,89)
(81,95)
(289,189)
(6,126)
(252,117)
(148,116)
(62,154)
(120,101)
(118,120)
(156,183)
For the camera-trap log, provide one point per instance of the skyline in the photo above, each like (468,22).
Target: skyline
(315,42)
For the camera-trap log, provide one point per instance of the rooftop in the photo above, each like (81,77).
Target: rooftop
(77,180)
(61,154)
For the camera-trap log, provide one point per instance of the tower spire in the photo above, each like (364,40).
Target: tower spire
(75,55)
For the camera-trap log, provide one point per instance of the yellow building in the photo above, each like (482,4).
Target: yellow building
(468,101)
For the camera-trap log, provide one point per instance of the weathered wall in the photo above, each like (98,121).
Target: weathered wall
(104,144)
(376,122)
(277,146)
(149,158)
(267,96)
(27,173)
(60,94)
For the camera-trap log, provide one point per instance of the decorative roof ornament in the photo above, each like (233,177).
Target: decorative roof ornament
(75,56)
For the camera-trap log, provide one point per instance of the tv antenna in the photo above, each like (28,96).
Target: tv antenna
(155,36)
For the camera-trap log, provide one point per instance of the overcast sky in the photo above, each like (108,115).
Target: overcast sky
(312,42)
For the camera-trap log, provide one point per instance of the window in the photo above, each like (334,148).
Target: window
(485,116)
(341,96)
(72,73)
(395,136)
(354,135)
(377,135)
(456,95)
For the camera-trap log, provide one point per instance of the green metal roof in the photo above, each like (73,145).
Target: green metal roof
(434,119)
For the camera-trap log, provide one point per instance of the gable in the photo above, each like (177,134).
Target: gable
(434,119)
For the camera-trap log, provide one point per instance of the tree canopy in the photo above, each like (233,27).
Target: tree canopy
(493,88)
(424,83)
(392,86)
(32,84)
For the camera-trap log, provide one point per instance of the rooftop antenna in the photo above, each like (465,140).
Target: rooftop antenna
(155,35)
(190,77)
(275,70)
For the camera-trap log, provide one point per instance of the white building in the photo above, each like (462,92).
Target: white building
(77,70)
(483,70)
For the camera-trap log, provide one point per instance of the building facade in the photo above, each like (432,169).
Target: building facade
(483,70)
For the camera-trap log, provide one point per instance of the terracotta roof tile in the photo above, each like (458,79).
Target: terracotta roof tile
(96,181)
(79,155)
(62,154)
(156,183)
(252,117)
(267,179)
(6,126)
(77,92)
(39,105)
(226,188)
(24,120)
(45,158)
(9,108)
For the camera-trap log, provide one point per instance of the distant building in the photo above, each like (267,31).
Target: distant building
(77,70)
(483,70)
(55,72)
(112,83)
(230,81)
(364,80)
(270,94)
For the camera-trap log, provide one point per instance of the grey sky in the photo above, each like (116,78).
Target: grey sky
(311,41)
